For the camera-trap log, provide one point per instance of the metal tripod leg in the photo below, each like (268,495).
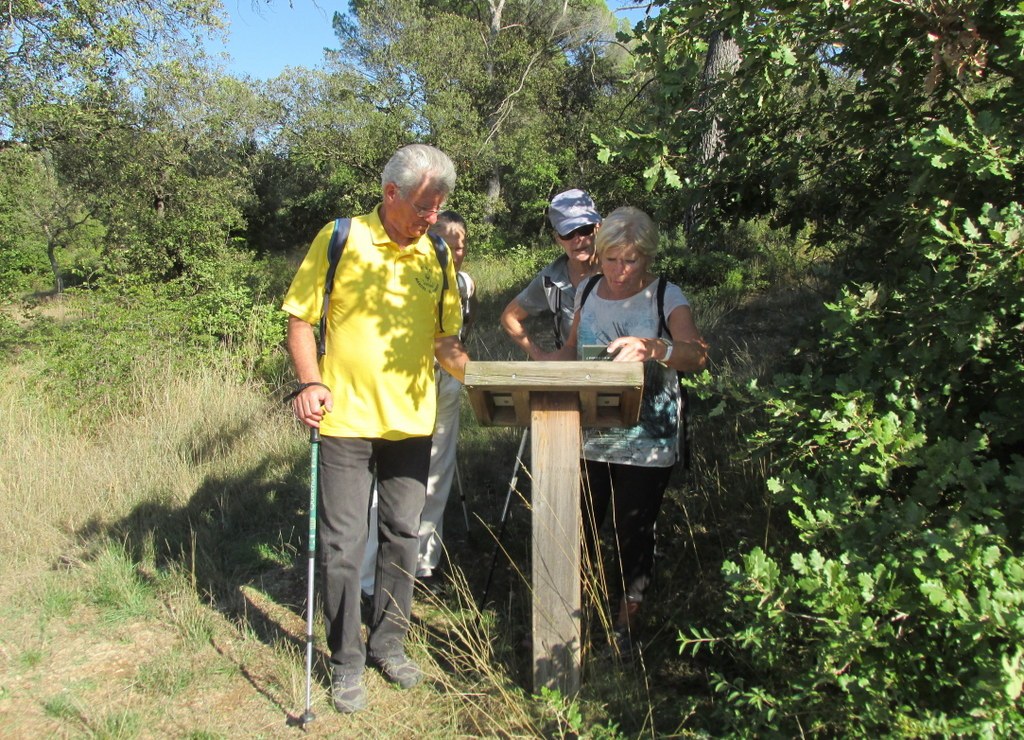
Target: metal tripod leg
(462,497)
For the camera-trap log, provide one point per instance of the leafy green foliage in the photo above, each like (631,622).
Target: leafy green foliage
(42,222)
(324,161)
(88,352)
(889,602)
(22,248)
(745,259)
(567,720)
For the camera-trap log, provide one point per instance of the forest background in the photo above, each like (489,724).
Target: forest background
(839,188)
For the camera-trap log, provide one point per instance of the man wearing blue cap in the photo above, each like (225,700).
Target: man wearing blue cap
(575,219)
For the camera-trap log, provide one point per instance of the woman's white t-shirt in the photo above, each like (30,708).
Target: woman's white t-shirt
(654,441)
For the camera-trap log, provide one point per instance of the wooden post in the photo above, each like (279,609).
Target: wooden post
(554,398)
(556,542)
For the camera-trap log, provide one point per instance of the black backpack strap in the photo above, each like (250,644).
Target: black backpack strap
(554,297)
(466,305)
(338,238)
(588,288)
(441,250)
(662,321)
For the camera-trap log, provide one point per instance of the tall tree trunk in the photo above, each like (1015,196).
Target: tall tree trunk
(497,7)
(51,252)
(493,195)
(723,58)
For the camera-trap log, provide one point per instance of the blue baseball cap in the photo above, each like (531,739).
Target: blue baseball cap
(571,209)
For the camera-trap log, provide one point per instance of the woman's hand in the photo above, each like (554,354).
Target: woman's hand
(636,349)
(684,355)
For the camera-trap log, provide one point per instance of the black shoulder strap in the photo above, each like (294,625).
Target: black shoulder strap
(662,321)
(588,289)
(338,238)
(441,250)
(554,298)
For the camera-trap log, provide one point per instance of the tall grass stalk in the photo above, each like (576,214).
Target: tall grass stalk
(459,647)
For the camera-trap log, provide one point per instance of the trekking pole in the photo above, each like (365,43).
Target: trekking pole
(314,458)
(462,497)
(504,519)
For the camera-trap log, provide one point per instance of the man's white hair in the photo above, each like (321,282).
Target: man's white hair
(408,167)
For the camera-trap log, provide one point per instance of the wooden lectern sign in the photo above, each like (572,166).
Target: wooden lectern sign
(555,399)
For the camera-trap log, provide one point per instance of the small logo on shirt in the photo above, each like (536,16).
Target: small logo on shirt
(428,282)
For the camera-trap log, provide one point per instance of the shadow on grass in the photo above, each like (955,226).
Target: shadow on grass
(232,528)
(240,539)
(235,531)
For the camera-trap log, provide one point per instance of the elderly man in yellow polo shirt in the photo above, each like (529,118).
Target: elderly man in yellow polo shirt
(372,396)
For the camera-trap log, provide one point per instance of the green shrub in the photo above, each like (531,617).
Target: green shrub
(23,268)
(749,257)
(893,603)
(11,334)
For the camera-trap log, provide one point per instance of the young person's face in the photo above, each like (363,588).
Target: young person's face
(455,237)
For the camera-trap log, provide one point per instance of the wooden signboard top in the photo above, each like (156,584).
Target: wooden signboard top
(609,392)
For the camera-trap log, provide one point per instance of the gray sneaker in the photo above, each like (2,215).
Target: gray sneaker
(400,670)
(348,692)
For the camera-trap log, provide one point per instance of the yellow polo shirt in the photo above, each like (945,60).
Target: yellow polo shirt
(380,330)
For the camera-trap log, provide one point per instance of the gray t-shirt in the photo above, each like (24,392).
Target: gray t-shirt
(654,441)
(551,291)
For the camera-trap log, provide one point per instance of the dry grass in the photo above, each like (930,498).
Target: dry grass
(118,559)
(174,429)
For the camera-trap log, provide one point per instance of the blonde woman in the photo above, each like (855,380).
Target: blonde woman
(618,314)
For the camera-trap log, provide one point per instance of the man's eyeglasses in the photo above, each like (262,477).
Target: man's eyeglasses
(425,212)
(586,230)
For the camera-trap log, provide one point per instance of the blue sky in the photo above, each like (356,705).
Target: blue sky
(266,39)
